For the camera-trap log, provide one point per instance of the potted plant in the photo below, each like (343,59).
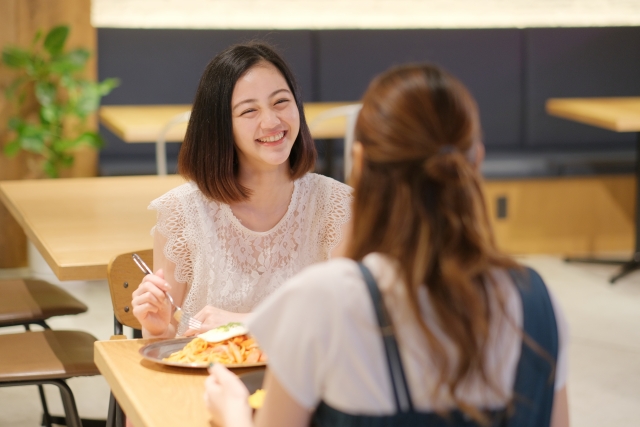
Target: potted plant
(52,102)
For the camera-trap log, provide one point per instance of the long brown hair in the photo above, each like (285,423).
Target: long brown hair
(419,200)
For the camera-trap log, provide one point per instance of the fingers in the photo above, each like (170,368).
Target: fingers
(152,280)
(225,377)
(190,332)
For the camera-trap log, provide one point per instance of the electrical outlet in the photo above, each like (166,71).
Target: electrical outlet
(501,207)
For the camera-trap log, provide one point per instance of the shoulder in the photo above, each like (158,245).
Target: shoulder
(317,286)
(317,182)
(181,195)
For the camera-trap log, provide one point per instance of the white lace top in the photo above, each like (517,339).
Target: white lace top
(228,266)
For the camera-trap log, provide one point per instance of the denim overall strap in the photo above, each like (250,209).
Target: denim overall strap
(401,393)
(534,387)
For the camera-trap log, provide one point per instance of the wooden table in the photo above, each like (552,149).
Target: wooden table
(79,224)
(145,123)
(618,115)
(153,395)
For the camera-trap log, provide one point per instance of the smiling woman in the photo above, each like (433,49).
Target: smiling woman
(252,215)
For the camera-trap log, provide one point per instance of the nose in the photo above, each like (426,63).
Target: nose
(270,119)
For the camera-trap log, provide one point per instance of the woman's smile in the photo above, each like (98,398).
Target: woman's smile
(272,140)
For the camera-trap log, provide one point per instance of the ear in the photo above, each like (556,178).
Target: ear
(479,157)
(357,155)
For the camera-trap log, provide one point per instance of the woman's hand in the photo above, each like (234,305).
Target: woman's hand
(227,398)
(212,317)
(151,305)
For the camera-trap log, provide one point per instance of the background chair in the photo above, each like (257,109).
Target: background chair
(27,302)
(161,142)
(124,276)
(48,357)
(351,113)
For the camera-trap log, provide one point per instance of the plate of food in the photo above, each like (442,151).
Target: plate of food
(228,344)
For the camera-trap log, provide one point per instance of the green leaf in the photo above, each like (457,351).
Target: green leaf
(66,160)
(107,85)
(16,123)
(55,39)
(9,93)
(36,38)
(12,148)
(50,114)
(59,146)
(92,139)
(31,138)
(88,99)
(46,93)
(50,169)
(70,62)
(14,57)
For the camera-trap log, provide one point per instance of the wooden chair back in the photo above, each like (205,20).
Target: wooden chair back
(124,277)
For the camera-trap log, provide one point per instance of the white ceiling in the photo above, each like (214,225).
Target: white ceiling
(334,14)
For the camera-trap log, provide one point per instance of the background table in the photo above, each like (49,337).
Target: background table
(153,395)
(618,115)
(143,123)
(79,224)
(167,123)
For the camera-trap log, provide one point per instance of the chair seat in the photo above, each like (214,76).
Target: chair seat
(48,354)
(26,300)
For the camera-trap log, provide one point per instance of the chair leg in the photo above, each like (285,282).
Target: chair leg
(111,415)
(69,403)
(46,417)
(115,417)
(120,417)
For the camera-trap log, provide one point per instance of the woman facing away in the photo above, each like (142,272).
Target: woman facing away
(446,330)
(251,215)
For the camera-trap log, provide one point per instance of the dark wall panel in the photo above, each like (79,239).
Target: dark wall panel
(578,62)
(487,61)
(164,67)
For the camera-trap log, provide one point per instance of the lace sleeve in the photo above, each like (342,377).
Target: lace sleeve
(173,223)
(337,215)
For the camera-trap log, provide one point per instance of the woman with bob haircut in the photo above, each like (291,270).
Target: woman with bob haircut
(426,322)
(252,215)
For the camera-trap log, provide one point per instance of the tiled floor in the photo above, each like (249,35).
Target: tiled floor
(604,376)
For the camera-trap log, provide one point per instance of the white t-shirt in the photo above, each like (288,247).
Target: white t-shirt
(228,266)
(321,335)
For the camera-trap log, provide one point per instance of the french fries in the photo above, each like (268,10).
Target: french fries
(238,350)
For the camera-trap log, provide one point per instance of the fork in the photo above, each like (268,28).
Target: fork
(180,316)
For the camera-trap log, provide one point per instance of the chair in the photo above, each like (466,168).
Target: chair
(27,302)
(48,357)
(351,113)
(124,276)
(161,142)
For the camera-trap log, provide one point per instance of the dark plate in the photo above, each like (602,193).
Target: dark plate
(253,380)
(157,351)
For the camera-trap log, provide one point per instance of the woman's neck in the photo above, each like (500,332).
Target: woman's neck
(271,192)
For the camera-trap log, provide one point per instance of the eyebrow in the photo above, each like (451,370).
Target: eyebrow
(255,100)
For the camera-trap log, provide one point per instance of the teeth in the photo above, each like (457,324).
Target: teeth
(272,138)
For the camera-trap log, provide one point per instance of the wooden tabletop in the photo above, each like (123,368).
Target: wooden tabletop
(143,123)
(79,224)
(616,114)
(153,395)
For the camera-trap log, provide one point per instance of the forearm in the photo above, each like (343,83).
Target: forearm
(239,415)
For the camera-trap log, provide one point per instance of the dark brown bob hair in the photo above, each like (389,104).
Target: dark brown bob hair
(208,154)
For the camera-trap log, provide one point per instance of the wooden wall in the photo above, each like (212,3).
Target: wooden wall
(19,21)
(566,216)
